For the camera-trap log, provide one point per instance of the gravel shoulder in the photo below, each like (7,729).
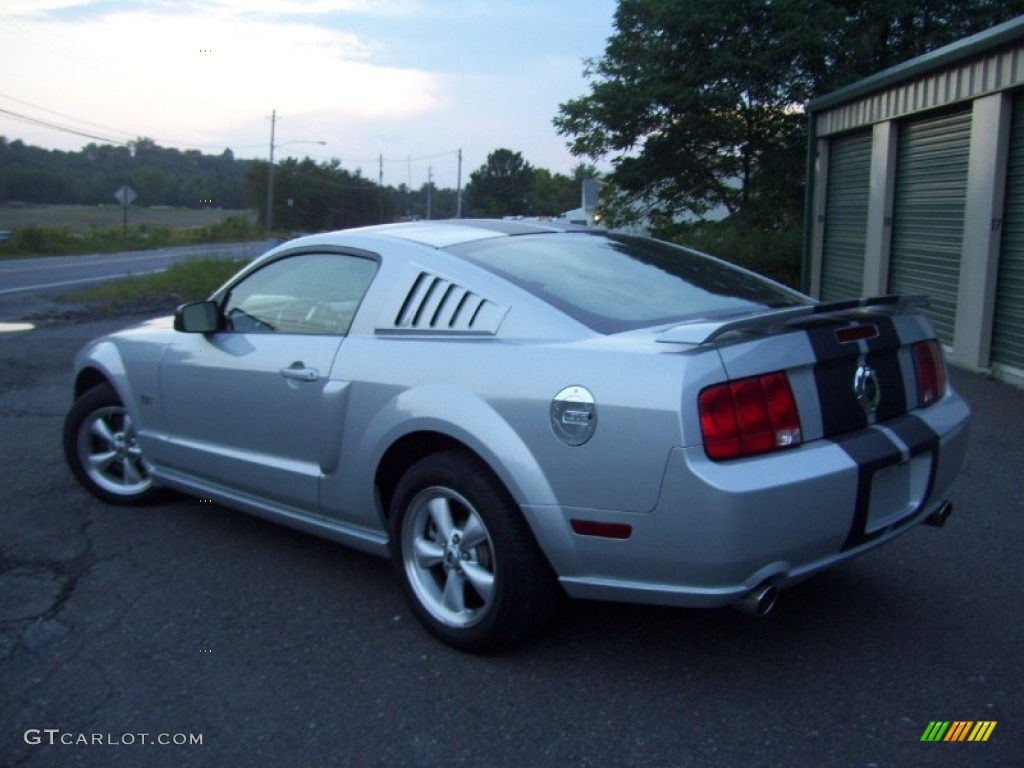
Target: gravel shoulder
(54,309)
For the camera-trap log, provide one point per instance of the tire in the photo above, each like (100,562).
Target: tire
(102,452)
(465,557)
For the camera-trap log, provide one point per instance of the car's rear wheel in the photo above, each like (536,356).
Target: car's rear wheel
(467,561)
(102,449)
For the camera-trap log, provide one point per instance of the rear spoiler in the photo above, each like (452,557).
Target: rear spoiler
(700,332)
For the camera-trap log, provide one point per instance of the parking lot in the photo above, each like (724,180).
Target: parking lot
(125,634)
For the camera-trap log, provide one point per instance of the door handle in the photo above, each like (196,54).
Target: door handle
(300,372)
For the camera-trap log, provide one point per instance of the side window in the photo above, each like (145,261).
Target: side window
(308,293)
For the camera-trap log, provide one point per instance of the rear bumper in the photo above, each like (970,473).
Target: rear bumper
(721,529)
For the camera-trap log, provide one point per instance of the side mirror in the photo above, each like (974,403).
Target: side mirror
(197,317)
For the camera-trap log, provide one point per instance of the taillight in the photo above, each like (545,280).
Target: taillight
(931,372)
(749,416)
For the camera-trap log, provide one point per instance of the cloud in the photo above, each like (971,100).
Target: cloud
(181,63)
(315,7)
(395,77)
(32,7)
(226,8)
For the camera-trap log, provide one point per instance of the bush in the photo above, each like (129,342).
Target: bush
(90,238)
(190,280)
(231,229)
(775,254)
(29,240)
(36,241)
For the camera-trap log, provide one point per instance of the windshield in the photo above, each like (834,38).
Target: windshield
(615,283)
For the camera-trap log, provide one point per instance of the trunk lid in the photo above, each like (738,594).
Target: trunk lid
(849,363)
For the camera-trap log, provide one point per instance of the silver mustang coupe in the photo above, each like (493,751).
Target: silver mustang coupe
(513,412)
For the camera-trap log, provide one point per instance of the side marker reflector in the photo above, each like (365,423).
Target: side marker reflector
(602,530)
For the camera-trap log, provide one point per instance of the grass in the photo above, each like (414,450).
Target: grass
(83,218)
(47,230)
(191,280)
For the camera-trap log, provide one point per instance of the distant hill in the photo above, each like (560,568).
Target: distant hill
(90,176)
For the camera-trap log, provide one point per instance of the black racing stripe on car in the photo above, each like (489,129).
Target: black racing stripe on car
(920,438)
(916,433)
(836,365)
(883,356)
(834,368)
(872,450)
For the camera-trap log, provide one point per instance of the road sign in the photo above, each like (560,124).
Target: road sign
(125,195)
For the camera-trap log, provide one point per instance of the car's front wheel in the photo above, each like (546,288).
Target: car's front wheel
(102,449)
(467,561)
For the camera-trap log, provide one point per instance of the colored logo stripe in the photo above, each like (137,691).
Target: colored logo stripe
(982,730)
(958,730)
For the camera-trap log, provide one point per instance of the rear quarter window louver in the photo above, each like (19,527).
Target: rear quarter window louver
(437,305)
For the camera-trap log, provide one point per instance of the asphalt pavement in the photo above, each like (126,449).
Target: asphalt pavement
(238,642)
(48,273)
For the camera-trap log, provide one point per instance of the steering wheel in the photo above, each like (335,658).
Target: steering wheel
(306,314)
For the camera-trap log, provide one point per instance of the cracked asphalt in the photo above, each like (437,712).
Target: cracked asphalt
(119,627)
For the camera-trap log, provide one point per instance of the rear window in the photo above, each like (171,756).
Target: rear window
(615,283)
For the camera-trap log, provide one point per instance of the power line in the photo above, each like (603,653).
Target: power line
(64,115)
(41,40)
(68,129)
(67,49)
(56,127)
(388,161)
(424,157)
(368,186)
(121,142)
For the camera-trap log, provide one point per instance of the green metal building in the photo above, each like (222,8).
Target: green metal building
(916,185)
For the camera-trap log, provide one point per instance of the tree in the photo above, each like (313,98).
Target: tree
(501,187)
(444,202)
(153,187)
(866,37)
(316,197)
(159,175)
(552,193)
(700,105)
(688,98)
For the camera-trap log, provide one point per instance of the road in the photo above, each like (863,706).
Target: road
(188,620)
(64,272)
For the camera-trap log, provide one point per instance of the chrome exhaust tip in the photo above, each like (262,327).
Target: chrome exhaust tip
(938,518)
(759,601)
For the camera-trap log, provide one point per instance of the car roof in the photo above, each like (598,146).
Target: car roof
(448,232)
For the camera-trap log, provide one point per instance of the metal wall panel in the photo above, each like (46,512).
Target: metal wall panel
(928,213)
(1008,323)
(996,71)
(846,216)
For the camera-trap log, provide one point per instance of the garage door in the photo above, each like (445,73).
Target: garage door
(846,216)
(928,213)
(1008,327)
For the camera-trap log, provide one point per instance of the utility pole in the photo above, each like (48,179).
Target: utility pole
(430,183)
(270,177)
(270,170)
(408,186)
(380,189)
(458,190)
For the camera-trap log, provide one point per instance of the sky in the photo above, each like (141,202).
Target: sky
(412,80)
